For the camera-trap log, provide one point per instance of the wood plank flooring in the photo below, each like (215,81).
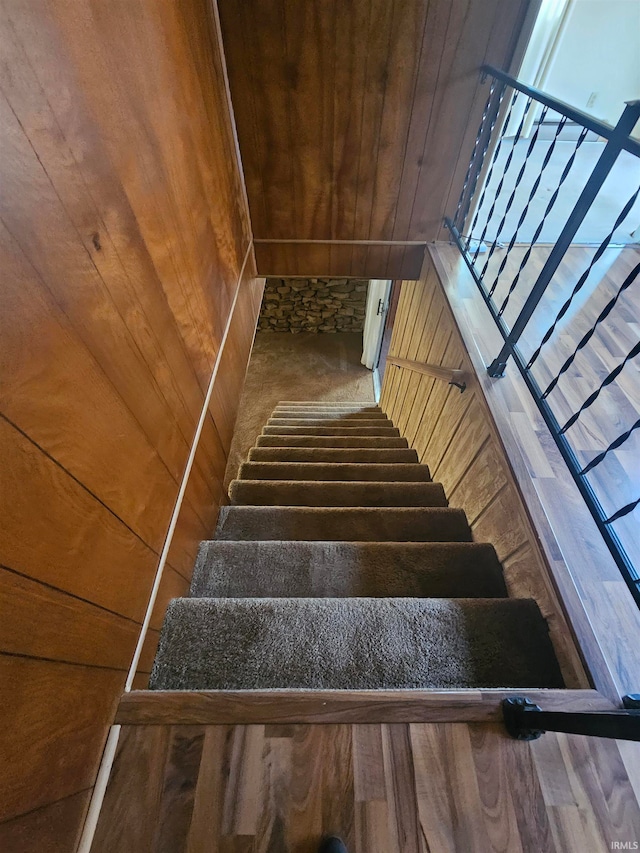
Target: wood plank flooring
(616,480)
(384,788)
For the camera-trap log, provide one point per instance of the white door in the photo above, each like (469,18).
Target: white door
(377,307)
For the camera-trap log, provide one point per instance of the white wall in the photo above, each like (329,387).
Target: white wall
(598,53)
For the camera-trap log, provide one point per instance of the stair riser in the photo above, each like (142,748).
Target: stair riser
(313,494)
(335,414)
(317,455)
(383,432)
(326,423)
(364,441)
(336,471)
(346,569)
(391,524)
(312,404)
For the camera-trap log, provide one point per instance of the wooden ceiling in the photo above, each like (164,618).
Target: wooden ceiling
(352,117)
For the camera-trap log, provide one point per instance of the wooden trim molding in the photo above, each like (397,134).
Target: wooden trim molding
(317,258)
(185,481)
(244,707)
(346,242)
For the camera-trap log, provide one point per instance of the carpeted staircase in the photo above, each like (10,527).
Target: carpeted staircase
(339,565)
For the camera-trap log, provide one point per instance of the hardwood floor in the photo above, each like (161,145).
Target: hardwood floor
(616,480)
(384,788)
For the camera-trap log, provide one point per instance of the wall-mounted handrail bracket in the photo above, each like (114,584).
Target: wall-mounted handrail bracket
(524,720)
(515,721)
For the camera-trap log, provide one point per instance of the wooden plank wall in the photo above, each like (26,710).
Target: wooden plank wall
(356,122)
(123,233)
(454,434)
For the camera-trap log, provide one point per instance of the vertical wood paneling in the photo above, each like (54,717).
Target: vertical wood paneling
(123,232)
(353,119)
(453,433)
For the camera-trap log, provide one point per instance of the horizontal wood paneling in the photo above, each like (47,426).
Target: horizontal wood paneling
(54,828)
(66,628)
(353,118)
(123,234)
(57,532)
(454,434)
(55,717)
(382,788)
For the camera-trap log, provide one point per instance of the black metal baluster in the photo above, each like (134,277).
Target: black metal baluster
(583,278)
(496,154)
(507,167)
(548,210)
(607,381)
(514,190)
(588,335)
(618,442)
(458,219)
(618,139)
(622,512)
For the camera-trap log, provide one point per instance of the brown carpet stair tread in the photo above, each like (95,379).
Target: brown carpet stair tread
(371,441)
(328,494)
(343,524)
(339,565)
(344,471)
(341,455)
(353,644)
(347,569)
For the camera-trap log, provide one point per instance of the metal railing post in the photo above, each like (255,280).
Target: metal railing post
(526,721)
(601,170)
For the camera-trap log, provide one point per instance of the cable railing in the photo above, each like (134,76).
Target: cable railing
(544,224)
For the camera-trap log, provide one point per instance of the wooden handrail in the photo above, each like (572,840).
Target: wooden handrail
(447,374)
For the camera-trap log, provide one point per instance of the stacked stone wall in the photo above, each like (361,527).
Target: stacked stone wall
(313,305)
